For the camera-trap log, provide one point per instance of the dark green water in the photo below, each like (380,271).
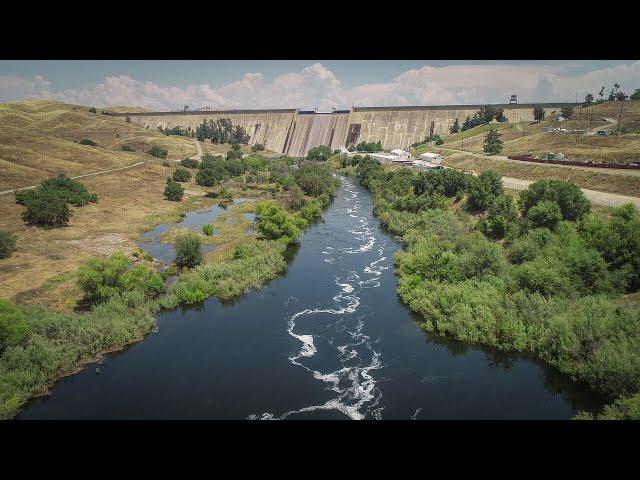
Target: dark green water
(329,340)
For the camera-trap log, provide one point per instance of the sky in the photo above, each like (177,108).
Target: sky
(321,84)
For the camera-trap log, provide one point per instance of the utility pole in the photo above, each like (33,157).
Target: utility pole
(620,117)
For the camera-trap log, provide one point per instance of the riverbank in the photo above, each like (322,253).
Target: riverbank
(475,270)
(57,344)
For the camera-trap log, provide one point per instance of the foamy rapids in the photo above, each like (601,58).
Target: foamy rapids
(356,393)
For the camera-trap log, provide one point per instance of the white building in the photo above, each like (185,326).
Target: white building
(434,158)
(422,164)
(399,152)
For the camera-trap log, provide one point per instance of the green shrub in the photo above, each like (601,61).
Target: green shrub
(226,194)
(187,247)
(158,152)
(208,229)
(14,325)
(173,191)
(258,147)
(320,153)
(127,148)
(572,202)
(311,212)
(181,175)
(189,163)
(211,173)
(545,214)
(86,141)
(61,186)
(483,190)
(277,224)
(46,209)
(7,244)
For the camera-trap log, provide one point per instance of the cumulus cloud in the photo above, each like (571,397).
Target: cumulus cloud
(315,86)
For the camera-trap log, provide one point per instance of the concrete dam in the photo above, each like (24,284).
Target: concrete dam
(294,132)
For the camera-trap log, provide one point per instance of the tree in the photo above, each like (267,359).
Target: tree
(567,111)
(158,152)
(189,163)
(568,196)
(635,95)
(257,147)
(588,99)
(7,244)
(181,175)
(187,247)
(483,189)
(538,113)
(46,209)
(320,153)
(501,215)
(173,191)
(455,128)
(492,142)
(210,175)
(545,214)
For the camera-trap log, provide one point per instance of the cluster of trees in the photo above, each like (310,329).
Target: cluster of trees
(614,95)
(320,153)
(177,130)
(483,116)
(158,152)
(216,169)
(47,204)
(542,274)
(221,131)
(369,147)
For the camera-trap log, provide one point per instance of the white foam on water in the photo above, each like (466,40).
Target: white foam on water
(353,382)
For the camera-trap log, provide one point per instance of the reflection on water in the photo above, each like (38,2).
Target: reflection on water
(329,340)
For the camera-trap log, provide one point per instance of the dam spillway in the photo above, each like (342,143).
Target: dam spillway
(294,132)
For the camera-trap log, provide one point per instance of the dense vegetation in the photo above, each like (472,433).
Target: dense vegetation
(221,131)
(368,147)
(173,191)
(178,130)
(320,153)
(189,163)
(181,175)
(46,205)
(187,247)
(544,276)
(158,152)
(484,116)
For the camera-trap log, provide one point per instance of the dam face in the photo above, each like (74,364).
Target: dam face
(295,132)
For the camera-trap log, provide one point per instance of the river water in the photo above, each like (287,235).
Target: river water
(328,340)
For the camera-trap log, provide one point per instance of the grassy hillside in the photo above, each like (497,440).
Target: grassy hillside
(39,139)
(529,138)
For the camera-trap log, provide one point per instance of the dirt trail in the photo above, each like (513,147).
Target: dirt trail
(78,176)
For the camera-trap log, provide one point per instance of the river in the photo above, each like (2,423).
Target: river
(328,340)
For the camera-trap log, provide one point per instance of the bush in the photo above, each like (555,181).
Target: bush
(277,224)
(545,214)
(320,153)
(501,217)
(101,279)
(295,199)
(158,152)
(311,212)
(92,110)
(258,147)
(46,209)
(14,325)
(568,196)
(173,191)
(187,247)
(181,175)
(315,179)
(212,170)
(483,189)
(208,229)
(7,244)
(226,195)
(127,148)
(86,141)
(189,163)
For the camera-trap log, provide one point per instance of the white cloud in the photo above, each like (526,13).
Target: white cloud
(317,86)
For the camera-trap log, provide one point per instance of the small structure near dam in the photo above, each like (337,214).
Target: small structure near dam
(294,132)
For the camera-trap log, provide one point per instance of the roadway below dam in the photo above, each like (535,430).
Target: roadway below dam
(328,340)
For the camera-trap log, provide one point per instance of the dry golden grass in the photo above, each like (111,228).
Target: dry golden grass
(593,180)
(528,138)
(38,139)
